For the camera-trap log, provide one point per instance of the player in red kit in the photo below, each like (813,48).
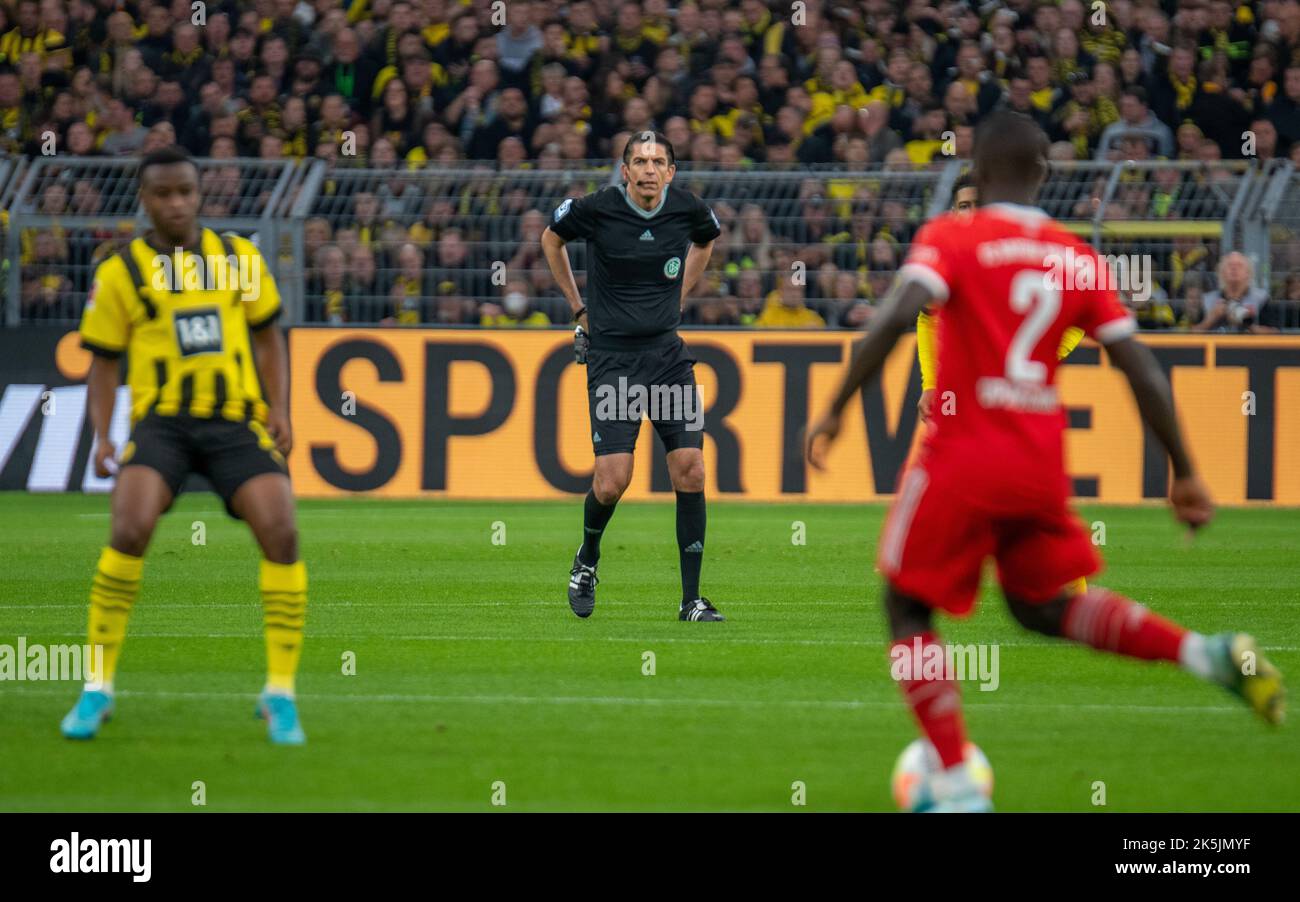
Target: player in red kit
(990,479)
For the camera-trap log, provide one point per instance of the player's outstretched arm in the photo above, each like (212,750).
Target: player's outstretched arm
(1155,400)
(894,318)
(101,391)
(273,363)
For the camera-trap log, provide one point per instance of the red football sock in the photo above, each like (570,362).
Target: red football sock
(934,699)
(1113,623)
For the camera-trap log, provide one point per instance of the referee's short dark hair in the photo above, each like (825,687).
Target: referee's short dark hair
(164,156)
(639,138)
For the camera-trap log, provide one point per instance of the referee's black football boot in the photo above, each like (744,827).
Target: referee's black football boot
(582,588)
(699,609)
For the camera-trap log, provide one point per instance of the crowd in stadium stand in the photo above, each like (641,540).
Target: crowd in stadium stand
(414,85)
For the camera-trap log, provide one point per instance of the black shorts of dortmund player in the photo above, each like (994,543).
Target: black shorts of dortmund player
(227,452)
(615,379)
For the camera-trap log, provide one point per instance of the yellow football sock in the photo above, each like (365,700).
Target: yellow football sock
(117,581)
(284,606)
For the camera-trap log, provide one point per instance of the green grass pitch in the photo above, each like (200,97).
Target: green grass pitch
(470,669)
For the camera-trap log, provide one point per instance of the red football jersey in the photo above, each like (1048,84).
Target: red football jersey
(1008,281)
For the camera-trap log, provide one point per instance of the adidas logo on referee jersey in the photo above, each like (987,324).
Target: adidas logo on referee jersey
(646,236)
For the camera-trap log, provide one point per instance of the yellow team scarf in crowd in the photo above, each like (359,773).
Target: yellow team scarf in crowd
(1183,91)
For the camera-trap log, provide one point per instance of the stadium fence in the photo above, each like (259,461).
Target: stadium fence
(473,229)
(67,214)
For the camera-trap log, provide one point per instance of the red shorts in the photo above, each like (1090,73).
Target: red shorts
(944,523)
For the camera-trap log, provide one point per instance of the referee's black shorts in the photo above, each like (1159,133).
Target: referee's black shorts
(665,372)
(227,453)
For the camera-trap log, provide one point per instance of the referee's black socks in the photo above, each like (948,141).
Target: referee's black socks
(690,541)
(595,517)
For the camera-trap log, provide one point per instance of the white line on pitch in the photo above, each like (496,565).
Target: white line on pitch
(716,640)
(353,637)
(847,704)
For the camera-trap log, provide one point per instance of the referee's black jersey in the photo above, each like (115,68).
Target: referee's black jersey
(635,259)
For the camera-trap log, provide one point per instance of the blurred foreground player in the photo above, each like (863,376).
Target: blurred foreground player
(194,312)
(965,198)
(990,480)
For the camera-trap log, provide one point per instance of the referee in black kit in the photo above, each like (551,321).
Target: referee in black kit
(648,244)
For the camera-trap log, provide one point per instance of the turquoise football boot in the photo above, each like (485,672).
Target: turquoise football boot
(281,716)
(92,709)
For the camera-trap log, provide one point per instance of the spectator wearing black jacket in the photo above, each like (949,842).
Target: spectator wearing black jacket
(1174,86)
(157,40)
(511,120)
(350,74)
(382,50)
(1225,34)
(288,27)
(1284,111)
(1222,119)
(187,61)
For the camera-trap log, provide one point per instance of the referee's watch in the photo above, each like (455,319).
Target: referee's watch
(577,314)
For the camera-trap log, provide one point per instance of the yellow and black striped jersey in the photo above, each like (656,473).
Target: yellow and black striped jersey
(183,321)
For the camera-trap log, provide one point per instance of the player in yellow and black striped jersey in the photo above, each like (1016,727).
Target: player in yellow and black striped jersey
(194,314)
(190,350)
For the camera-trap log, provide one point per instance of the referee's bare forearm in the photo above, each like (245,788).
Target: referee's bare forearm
(558,259)
(697,258)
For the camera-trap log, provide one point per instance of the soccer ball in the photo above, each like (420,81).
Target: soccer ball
(920,760)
